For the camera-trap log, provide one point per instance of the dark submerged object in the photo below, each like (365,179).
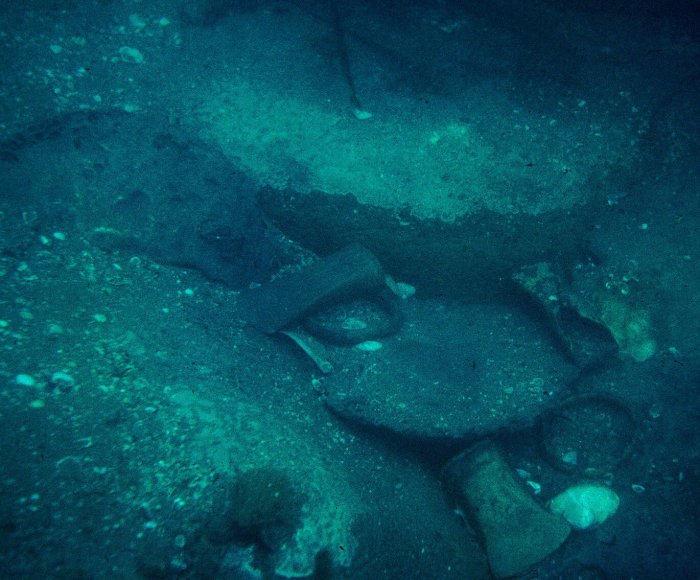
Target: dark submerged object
(349,273)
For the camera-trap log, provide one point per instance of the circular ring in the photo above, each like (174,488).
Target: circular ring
(352,322)
(588,434)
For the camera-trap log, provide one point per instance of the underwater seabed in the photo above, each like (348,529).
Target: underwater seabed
(158,428)
(419,302)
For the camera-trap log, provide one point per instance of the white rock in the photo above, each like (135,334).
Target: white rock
(585,505)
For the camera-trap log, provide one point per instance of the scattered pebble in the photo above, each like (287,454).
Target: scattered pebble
(361,115)
(523,473)
(54,329)
(536,487)
(405,290)
(25,380)
(99,317)
(131,55)
(137,21)
(369,345)
(62,381)
(570,457)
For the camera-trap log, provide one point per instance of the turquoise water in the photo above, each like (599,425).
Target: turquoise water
(349,290)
